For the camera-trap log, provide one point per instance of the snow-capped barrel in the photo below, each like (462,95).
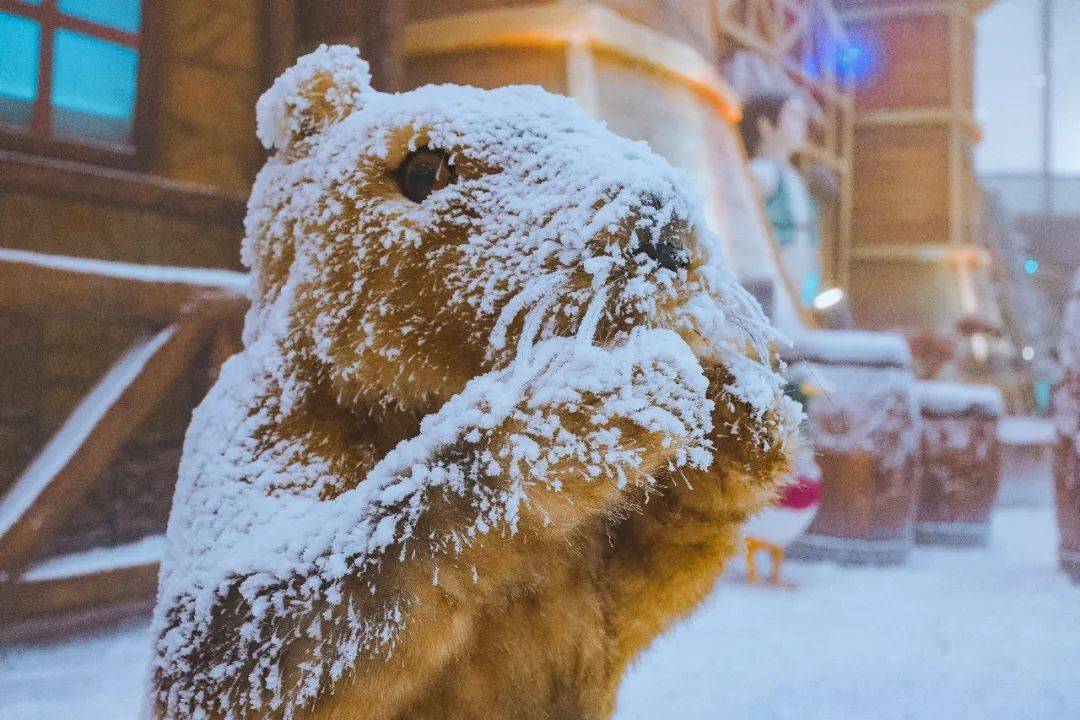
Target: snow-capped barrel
(1067,452)
(1027,461)
(960,463)
(864,424)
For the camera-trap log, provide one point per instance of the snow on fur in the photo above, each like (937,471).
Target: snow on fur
(563,184)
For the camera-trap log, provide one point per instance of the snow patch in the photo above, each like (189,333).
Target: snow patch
(947,398)
(852,347)
(140,552)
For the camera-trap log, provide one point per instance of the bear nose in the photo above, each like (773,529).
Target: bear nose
(666,250)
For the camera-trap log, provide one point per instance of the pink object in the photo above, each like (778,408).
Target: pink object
(784,521)
(803,493)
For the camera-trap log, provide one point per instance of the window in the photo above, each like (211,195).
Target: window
(70,77)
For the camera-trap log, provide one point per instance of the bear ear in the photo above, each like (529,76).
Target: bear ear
(321,89)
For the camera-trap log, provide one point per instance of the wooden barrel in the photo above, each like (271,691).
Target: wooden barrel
(960,462)
(1067,497)
(865,430)
(1027,462)
(1067,450)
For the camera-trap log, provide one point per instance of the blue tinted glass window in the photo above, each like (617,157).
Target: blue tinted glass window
(19,41)
(94,83)
(119,14)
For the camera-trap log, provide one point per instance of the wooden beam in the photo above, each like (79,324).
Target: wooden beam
(919,116)
(66,468)
(280,44)
(36,283)
(46,628)
(851,12)
(381,32)
(42,609)
(20,172)
(929,253)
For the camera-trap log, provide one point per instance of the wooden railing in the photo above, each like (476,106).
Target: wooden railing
(189,312)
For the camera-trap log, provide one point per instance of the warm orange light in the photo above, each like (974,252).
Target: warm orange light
(597,28)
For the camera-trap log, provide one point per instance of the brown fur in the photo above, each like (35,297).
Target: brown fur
(537,624)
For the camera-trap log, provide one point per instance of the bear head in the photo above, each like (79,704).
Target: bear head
(404,243)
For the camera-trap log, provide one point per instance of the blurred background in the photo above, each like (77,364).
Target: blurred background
(896,181)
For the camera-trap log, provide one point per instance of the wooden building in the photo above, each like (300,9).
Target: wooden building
(126,135)
(148,159)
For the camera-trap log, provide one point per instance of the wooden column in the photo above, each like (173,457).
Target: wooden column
(381,40)
(374,26)
(916,258)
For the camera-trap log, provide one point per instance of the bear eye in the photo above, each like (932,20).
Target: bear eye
(423,172)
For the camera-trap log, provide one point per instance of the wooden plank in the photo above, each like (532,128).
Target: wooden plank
(931,253)
(919,116)
(46,628)
(850,10)
(35,611)
(280,42)
(66,468)
(20,172)
(380,39)
(37,283)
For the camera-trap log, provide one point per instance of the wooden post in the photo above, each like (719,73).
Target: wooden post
(381,31)
(279,38)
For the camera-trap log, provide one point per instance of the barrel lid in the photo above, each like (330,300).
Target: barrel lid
(1021,430)
(850,347)
(947,398)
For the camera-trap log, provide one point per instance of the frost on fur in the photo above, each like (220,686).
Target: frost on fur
(551,365)
(321,88)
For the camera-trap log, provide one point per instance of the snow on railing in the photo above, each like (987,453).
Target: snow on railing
(76,429)
(196,305)
(210,278)
(144,551)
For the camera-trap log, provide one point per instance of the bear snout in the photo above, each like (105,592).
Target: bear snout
(665,247)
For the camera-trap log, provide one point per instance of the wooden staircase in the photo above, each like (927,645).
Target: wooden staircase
(188,312)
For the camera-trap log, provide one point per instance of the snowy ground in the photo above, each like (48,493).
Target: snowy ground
(966,635)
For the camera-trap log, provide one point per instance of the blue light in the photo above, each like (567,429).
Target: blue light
(858,59)
(20,38)
(1031,266)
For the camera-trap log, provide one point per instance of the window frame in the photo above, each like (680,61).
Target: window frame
(38,138)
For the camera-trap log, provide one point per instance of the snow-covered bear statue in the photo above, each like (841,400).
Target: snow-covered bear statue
(500,412)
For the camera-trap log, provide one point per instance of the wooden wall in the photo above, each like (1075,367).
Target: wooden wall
(188,210)
(916,259)
(50,359)
(212,75)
